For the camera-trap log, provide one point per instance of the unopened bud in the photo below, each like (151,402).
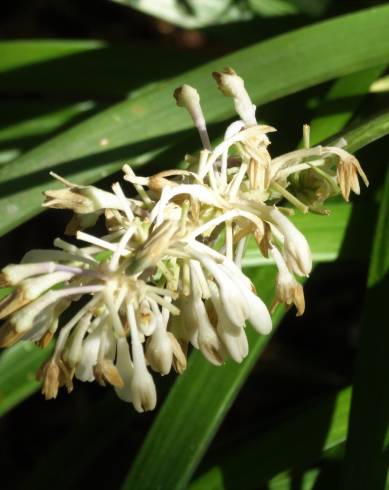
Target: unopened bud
(232,85)
(188,97)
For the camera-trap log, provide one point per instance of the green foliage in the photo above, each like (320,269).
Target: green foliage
(86,131)
(17,373)
(367,455)
(166,452)
(142,127)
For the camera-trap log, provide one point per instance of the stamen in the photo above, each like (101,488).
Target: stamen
(113,309)
(123,200)
(290,197)
(85,237)
(138,187)
(66,329)
(121,248)
(173,309)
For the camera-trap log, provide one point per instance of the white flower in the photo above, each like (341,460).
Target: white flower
(143,392)
(167,272)
(288,290)
(296,249)
(233,337)
(159,350)
(125,367)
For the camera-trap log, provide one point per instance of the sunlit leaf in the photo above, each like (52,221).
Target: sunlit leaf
(146,125)
(166,453)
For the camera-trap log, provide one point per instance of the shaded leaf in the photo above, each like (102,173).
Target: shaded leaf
(322,424)
(367,449)
(17,373)
(144,126)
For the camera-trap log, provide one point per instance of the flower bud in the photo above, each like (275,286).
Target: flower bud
(144,395)
(288,290)
(296,249)
(159,351)
(188,97)
(232,85)
(13,274)
(88,357)
(125,368)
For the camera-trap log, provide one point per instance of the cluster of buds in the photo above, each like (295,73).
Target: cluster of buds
(167,273)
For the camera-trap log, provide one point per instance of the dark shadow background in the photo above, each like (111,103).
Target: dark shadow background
(90,437)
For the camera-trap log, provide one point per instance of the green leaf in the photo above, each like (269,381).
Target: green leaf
(322,425)
(194,409)
(146,125)
(169,459)
(36,67)
(367,449)
(28,123)
(18,366)
(340,103)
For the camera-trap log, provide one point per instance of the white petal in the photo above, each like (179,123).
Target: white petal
(90,350)
(159,351)
(125,368)
(231,297)
(259,315)
(144,394)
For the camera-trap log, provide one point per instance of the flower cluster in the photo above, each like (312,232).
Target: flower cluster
(167,273)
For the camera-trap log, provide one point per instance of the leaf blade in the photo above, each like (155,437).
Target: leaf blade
(176,434)
(144,126)
(366,457)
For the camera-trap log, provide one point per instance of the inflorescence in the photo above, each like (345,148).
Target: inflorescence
(167,273)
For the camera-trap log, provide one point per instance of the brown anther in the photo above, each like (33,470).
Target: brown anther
(219,76)
(157,183)
(67,199)
(293,295)
(179,354)
(13,302)
(81,222)
(45,340)
(66,375)
(4,282)
(106,372)
(264,239)
(348,170)
(49,374)
(8,335)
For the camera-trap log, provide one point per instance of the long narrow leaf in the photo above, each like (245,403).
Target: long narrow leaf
(323,425)
(138,129)
(341,102)
(17,379)
(367,449)
(169,459)
(17,373)
(193,411)
(38,67)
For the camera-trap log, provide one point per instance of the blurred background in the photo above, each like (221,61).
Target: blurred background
(89,437)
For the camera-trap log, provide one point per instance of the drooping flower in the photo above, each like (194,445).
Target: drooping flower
(167,274)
